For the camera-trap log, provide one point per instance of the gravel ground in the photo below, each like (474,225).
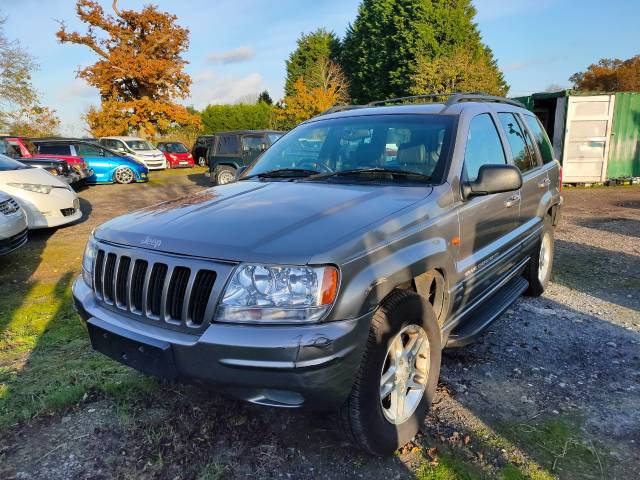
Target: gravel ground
(553,387)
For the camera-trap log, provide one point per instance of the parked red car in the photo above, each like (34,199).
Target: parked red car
(20,147)
(177,154)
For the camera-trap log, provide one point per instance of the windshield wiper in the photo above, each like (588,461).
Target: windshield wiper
(284,172)
(373,171)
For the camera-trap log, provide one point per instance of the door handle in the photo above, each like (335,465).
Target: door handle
(511,201)
(544,183)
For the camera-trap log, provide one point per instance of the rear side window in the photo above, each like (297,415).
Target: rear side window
(541,138)
(85,150)
(227,145)
(483,146)
(523,156)
(55,149)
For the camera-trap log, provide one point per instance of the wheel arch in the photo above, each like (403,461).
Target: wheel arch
(403,269)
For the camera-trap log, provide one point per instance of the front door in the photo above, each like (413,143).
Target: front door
(95,157)
(488,223)
(586,145)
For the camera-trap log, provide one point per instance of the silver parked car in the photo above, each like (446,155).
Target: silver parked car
(13,225)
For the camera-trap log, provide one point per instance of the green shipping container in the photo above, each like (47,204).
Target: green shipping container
(624,151)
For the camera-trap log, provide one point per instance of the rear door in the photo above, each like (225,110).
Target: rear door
(586,146)
(535,180)
(488,223)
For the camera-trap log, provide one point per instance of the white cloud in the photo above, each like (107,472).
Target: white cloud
(78,89)
(236,55)
(209,88)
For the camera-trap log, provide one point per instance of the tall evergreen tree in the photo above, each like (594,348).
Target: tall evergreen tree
(312,48)
(382,49)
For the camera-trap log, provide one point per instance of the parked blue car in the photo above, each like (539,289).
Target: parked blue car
(108,166)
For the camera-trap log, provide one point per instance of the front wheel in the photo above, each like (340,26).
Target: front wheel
(538,270)
(398,375)
(124,175)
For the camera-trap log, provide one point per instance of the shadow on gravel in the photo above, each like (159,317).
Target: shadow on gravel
(621,226)
(606,274)
(200,180)
(560,385)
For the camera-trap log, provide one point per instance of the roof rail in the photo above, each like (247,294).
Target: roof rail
(340,108)
(452,98)
(480,97)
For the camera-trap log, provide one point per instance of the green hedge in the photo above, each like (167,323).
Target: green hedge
(217,118)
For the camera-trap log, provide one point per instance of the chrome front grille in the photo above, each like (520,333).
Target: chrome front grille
(168,290)
(9,206)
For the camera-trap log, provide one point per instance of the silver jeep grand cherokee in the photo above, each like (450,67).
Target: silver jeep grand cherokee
(335,270)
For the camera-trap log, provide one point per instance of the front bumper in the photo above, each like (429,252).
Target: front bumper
(311,366)
(59,207)
(13,232)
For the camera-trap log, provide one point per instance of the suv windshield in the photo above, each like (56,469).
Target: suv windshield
(374,143)
(139,145)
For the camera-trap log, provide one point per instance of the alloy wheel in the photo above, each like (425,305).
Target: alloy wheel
(404,374)
(544,258)
(124,175)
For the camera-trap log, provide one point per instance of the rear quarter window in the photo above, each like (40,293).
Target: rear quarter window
(227,145)
(54,149)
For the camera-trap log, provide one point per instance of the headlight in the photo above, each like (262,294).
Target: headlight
(32,187)
(87,260)
(278,294)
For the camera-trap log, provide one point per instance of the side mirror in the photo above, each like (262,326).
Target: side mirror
(493,179)
(240,171)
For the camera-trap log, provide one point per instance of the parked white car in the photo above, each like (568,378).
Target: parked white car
(46,201)
(137,148)
(13,225)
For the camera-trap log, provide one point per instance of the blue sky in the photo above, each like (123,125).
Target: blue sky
(238,47)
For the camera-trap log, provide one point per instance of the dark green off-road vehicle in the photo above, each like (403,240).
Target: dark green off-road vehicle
(335,270)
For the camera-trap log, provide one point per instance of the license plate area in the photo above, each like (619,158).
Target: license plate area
(149,356)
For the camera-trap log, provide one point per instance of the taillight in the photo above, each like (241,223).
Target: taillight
(560,187)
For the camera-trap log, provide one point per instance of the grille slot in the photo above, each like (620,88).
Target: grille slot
(156,284)
(121,282)
(200,293)
(137,285)
(97,271)
(109,270)
(176,292)
(9,206)
(164,290)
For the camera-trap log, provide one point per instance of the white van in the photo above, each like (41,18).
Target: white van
(137,148)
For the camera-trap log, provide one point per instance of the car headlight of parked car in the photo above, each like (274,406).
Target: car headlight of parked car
(87,260)
(32,187)
(278,294)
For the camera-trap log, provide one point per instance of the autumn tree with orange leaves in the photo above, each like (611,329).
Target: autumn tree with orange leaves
(139,72)
(609,75)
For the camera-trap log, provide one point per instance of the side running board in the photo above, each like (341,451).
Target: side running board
(478,319)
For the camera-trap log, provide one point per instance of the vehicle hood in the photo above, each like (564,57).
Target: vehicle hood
(280,222)
(33,175)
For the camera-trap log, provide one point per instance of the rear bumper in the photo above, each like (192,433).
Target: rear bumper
(311,366)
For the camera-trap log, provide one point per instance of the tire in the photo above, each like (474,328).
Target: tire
(223,175)
(202,162)
(538,270)
(365,417)
(124,175)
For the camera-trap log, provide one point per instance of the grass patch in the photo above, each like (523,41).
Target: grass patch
(212,471)
(449,467)
(559,445)
(46,361)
